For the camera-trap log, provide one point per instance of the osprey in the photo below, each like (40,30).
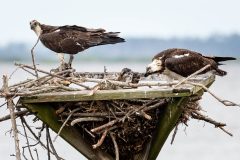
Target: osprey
(72,39)
(179,63)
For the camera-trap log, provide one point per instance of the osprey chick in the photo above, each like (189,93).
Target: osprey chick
(182,63)
(72,39)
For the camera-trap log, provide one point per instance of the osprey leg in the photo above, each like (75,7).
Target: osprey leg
(62,63)
(71,57)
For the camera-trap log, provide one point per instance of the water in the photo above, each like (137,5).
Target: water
(199,141)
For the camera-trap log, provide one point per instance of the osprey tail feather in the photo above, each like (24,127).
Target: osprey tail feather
(111,38)
(220,59)
(220,72)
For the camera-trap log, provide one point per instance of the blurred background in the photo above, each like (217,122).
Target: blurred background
(209,27)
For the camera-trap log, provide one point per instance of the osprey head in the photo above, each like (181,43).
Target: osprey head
(36,27)
(155,66)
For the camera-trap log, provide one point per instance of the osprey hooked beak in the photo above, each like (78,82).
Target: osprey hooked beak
(154,67)
(36,27)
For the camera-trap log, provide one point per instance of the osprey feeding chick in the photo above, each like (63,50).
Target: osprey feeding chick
(72,39)
(182,63)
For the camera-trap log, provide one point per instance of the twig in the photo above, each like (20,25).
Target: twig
(224,102)
(174,133)
(107,125)
(199,116)
(115,145)
(131,112)
(48,149)
(190,76)
(3,104)
(27,71)
(127,84)
(11,108)
(99,143)
(224,130)
(54,75)
(136,110)
(88,119)
(65,123)
(17,114)
(51,144)
(34,135)
(36,153)
(25,132)
(33,59)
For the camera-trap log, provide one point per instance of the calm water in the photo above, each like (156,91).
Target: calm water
(199,141)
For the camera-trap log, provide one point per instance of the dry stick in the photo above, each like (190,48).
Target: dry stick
(47,78)
(17,114)
(33,59)
(199,116)
(28,71)
(34,92)
(54,75)
(154,106)
(225,102)
(48,149)
(224,130)
(51,144)
(65,123)
(20,83)
(190,76)
(94,114)
(36,153)
(174,133)
(34,135)
(11,108)
(115,145)
(136,110)
(28,146)
(88,119)
(3,104)
(126,84)
(23,153)
(111,123)
(99,143)
(107,125)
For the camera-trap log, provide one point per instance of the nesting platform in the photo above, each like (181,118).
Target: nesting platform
(106,90)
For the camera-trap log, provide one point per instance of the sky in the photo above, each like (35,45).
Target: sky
(133,18)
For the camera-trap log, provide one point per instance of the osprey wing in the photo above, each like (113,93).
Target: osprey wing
(74,39)
(187,64)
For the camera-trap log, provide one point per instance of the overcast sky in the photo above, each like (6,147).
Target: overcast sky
(134,18)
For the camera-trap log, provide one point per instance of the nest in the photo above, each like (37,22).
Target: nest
(119,127)
(132,122)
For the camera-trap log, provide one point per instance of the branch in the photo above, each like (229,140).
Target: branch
(25,132)
(190,76)
(11,108)
(33,59)
(51,144)
(224,102)
(17,114)
(99,143)
(65,123)
(115,145)
(54,75)
(86,119)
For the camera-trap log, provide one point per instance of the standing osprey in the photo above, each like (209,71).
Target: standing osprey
(182,63)
(72,39)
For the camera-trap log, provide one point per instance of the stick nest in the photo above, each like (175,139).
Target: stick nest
(122,128)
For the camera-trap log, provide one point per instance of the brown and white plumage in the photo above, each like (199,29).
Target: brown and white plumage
(184,62)
(72,39)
